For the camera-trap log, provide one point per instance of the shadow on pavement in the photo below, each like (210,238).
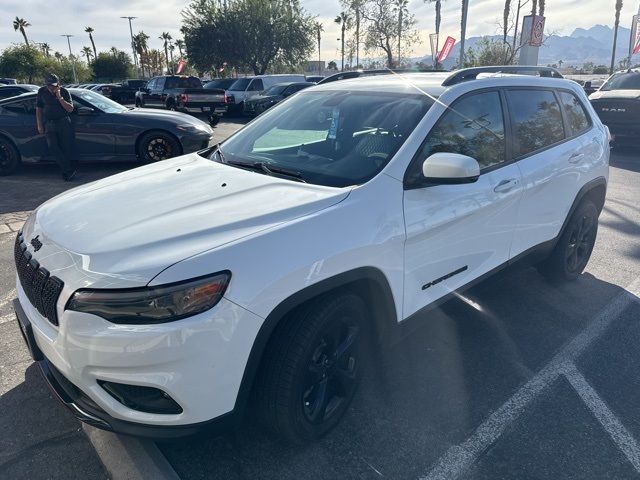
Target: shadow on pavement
(425,394)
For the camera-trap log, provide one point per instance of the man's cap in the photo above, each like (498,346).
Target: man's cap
(51,79)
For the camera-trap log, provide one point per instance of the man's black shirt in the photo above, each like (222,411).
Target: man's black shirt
(52,109)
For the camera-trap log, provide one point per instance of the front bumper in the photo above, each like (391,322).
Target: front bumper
(198,361)
(194,142)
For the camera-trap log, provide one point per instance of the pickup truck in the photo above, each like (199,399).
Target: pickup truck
(183,93)
(124,92)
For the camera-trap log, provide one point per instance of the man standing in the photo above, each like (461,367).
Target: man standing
(53,106)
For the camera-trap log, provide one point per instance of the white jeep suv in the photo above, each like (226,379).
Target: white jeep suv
(179,295)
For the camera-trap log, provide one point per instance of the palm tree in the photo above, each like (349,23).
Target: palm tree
(166,37)
(172,47)
(21,24)
(140,44)
(45,49)
(344,19)
(438,5)
(58,56)
(541,8)
(114,51)
(89,30)
(87,53)
(319,29)
(615,34)
(401,6)
(356,8)
(180,45)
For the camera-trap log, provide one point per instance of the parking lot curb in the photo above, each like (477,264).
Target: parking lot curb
(129,458)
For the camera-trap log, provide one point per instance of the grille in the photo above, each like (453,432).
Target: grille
(41,289)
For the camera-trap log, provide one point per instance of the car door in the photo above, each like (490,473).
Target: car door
(153,99)
(551,160)
(94,129)
(255,87)
(456,233)
(18,122)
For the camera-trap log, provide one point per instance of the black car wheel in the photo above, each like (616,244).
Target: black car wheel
(573,250)
(312,368)
(156,146)
(9,157)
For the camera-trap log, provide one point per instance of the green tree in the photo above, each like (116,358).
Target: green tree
(344,20)
(487,51)
(332,65)
(46,49)
(21,24)
(247,34)
(140,43)
(86,51)
(180,45)
(89,30)
(113,65)
(22,62)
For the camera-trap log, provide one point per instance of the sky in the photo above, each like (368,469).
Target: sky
(49,20)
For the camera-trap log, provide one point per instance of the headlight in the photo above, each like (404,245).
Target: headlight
(195,128)
(146,305)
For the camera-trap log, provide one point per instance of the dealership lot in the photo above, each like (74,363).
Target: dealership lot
(516,375)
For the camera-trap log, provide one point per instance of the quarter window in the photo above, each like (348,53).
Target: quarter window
(472,126)
(256,85)
(576,115)
(537,121)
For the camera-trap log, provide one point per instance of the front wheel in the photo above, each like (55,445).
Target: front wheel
(573,250)
(312,368)
(156,146)
(9,157)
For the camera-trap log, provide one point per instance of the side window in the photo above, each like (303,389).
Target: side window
(160,83)
(24,107)
(537,121)
(8,92)
(256,85)
(472,126)
(152,84)
(575,113)
(293,89)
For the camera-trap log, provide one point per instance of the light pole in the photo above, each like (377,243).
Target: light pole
(133,47)
(73,60)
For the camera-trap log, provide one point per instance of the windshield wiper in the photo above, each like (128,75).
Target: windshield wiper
(263,167)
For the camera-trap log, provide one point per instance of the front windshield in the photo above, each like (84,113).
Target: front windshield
(240,85)
(275,90)
(99,101)
(333,138)
(623,81)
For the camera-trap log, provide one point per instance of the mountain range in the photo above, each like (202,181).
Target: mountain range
(583,45)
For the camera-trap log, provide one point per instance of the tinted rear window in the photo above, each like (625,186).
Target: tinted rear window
(224,83)
(537,120)
(577,117)
(240,84)
(182,82)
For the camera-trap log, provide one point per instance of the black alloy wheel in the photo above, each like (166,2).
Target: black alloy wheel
(311,369)
(156,146)
(9,157)
(573,249)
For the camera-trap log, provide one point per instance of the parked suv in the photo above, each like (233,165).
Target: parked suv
(245,88)
(617,103)
(251,275)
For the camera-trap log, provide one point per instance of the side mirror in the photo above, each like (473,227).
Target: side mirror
(85,111)
(450,169)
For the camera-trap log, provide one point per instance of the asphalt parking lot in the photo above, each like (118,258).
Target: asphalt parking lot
(517,378)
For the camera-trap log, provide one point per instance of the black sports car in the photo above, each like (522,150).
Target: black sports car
(617,103)
(274,94)
(105,130)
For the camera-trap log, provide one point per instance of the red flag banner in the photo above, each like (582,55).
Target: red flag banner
(446,49)
(181,65)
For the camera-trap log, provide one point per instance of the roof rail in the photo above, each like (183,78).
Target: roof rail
(471,73)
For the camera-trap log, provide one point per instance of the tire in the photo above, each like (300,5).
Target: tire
(213,120)
(573,250)
(303,361)
(156,146)
(171,106)
(9,157)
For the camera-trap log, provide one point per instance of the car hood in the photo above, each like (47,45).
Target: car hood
(606,94)
(131,226)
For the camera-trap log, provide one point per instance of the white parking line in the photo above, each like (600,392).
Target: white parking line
(619,434)
(459,458)
(5,299)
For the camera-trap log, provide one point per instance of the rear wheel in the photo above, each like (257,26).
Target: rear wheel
(312,368)
(573,250)
(9,157)
(156,146)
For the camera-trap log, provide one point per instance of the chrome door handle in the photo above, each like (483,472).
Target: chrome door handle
(506,185)
(576,158)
